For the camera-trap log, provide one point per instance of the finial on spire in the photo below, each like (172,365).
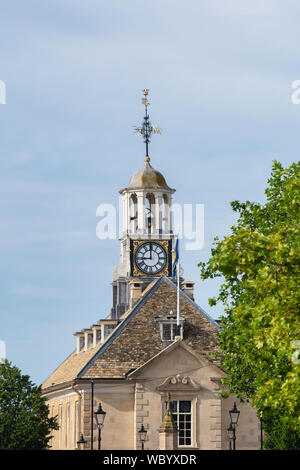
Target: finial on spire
(147,129)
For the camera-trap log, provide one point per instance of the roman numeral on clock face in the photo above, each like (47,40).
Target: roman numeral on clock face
(150,258)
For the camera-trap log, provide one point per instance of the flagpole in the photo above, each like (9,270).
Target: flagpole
(178,286)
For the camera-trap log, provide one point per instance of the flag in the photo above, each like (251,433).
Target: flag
(176,258)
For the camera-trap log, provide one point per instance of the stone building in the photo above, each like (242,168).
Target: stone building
(138,354)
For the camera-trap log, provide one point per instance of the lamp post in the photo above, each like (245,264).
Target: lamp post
(143,435)
(81,442)
(230,433)
(234,417)
(100,417)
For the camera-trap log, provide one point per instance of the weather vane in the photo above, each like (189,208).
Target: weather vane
(147,129)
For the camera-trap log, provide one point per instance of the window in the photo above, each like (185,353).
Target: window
(182,415)
(169,331)
(98,335)
(89,339)
(108,329)
(168,328)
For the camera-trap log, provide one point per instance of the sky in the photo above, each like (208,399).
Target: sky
(220,76)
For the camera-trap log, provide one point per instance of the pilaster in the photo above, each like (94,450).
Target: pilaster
(215,426)
(141,409)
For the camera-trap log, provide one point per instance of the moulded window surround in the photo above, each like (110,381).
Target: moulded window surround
(183,409)
(182,414)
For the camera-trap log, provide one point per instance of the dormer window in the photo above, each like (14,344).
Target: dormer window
(89,339)
(79,340)
(108,330)
(170,331)
(169,328)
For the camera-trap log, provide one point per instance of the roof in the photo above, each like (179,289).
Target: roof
(137,338)
(148,178)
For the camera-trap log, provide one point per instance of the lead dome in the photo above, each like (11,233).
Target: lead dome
(148,177)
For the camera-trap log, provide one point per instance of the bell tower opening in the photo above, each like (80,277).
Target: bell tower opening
(149,207)
(132,214)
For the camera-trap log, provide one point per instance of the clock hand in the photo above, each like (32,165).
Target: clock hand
(149,257)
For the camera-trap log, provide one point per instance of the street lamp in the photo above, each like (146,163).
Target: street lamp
(230,433)
(81,442)
(234,417)
(143,435)
(100,417)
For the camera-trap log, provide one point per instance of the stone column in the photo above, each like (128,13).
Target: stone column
(168,430)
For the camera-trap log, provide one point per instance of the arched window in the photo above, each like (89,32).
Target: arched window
(150,208)
(165,214)
(133,218)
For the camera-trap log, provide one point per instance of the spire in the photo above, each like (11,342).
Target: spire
(147,129)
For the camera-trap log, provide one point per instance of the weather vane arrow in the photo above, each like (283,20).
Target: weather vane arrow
(147,129)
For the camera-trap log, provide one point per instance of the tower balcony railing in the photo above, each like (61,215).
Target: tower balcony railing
(146,232)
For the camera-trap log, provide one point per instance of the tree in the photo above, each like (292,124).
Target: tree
(259,262)
(24,415)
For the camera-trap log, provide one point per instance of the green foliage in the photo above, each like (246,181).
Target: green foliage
(24,420)
(259,262)
(279,433)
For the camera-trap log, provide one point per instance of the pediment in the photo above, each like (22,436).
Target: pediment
(169,362)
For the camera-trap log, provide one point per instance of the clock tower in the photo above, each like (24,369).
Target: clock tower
(147,241)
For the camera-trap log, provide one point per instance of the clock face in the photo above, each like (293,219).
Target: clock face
(150,258)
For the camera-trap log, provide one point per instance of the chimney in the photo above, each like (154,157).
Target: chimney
(136,289)
(187,286)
